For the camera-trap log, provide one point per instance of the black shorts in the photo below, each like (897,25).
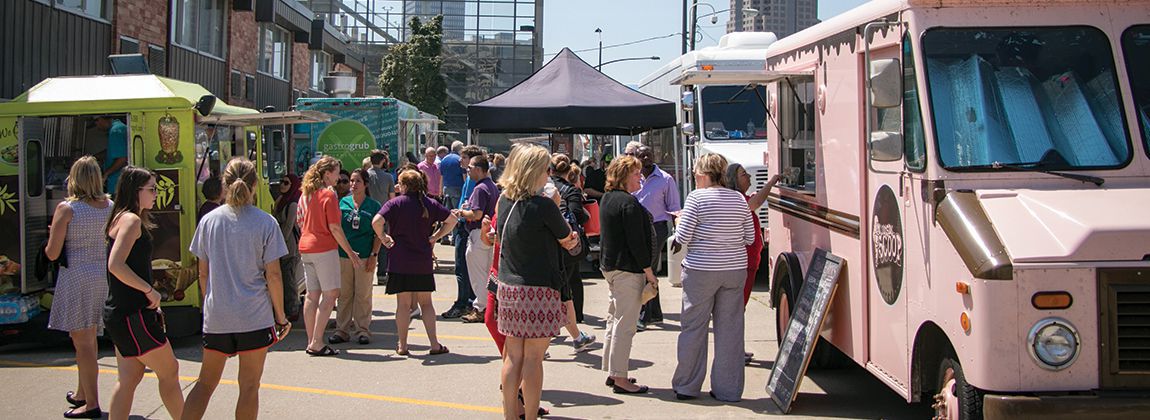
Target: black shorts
(137,334)
(232,343)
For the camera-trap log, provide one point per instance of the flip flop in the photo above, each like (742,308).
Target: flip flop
(442,349)
(402,352)
(324,352)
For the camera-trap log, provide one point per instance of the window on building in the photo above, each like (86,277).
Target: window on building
(320,65)
(201,25)
(275,60)
(94,8)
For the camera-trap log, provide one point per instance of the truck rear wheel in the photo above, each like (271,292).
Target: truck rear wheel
(956,399)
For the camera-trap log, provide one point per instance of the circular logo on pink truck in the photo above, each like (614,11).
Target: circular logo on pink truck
(886,244)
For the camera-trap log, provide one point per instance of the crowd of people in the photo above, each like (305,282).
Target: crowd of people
(517,227)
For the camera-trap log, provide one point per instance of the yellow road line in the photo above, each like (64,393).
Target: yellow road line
(305,390)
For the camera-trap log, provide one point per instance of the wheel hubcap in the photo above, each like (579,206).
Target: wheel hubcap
(945,401)
(784,318)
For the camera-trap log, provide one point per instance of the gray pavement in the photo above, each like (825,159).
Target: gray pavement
(370,381)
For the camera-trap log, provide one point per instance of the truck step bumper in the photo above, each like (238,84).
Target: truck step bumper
(1093,407)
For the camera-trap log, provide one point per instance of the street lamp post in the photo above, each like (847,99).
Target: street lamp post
(599,32)
(600,66)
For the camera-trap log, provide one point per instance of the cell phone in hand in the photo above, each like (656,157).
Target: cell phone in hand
(282,331)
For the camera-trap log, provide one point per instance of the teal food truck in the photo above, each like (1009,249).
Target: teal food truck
(359,125)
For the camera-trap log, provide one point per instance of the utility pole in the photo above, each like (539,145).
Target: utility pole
(694,25)
(684,32)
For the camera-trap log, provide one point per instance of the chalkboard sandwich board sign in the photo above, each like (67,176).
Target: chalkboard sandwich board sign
(796,346)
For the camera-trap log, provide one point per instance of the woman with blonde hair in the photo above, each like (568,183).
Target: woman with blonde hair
(531,277)
(76,240)
(321,233)
(239,247)
(409,240)
(715,226)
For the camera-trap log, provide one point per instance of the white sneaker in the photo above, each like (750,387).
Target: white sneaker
(416,313)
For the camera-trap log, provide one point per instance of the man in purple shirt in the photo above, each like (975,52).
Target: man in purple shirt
(480,203)
(434,178)
(660,196)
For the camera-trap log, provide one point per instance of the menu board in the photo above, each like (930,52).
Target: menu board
(796,346)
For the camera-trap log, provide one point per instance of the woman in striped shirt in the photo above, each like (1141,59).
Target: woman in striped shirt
(715,226)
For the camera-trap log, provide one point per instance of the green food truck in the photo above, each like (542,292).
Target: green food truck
(178,129)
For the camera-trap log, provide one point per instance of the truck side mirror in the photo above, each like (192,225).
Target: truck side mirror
(688,101)
(689,129)
(885,83)
(885,146)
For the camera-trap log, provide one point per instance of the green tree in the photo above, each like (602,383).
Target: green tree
(412,70)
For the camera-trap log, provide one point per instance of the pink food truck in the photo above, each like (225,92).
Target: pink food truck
(983,168)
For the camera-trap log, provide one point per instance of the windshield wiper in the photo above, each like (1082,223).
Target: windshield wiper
(1039,167)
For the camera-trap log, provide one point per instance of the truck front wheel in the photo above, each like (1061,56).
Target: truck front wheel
(956,399)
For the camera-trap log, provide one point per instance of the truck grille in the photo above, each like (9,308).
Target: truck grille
(1133,325)
(1124,303)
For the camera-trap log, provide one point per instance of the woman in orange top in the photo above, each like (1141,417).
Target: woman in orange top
(321,233)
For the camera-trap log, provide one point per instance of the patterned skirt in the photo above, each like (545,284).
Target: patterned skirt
(530,311)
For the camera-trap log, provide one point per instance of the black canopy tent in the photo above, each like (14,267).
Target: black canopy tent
(569,96)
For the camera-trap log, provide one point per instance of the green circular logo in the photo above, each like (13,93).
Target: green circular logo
(347,140)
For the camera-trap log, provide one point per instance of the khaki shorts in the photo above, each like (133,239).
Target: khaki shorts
(321,271)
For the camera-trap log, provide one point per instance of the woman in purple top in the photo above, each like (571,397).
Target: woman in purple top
(410,272)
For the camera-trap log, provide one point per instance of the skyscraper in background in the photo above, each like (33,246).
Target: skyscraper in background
(488,45)
(452,11)
(783,17)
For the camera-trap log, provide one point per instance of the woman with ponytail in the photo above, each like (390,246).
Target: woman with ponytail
(410,270)
(239,247)
(321,233)
(132,314)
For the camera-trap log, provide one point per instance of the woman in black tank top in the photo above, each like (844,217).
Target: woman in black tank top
(135,322)
(123,299)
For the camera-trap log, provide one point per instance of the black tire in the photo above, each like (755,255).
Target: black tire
(969,397)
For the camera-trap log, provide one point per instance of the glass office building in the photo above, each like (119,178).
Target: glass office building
(488,45)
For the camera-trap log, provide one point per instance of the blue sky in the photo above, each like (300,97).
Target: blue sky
(572,24)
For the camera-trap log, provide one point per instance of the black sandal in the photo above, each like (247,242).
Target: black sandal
(94,413)
(611,382)
(74,402)
(539,413)
(643,389)
(324,352)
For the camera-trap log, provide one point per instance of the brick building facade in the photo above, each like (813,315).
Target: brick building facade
(251,53)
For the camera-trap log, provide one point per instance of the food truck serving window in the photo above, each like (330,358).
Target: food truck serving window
(734,112)
(797,133)
(1039,97)
(1136,48)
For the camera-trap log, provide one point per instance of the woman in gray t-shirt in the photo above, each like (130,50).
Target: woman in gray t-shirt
(239,247)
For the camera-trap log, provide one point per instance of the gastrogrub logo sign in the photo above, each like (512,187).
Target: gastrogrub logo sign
(347,140)
(886,244)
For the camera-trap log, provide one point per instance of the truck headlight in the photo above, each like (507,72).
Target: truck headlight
(1054,343)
